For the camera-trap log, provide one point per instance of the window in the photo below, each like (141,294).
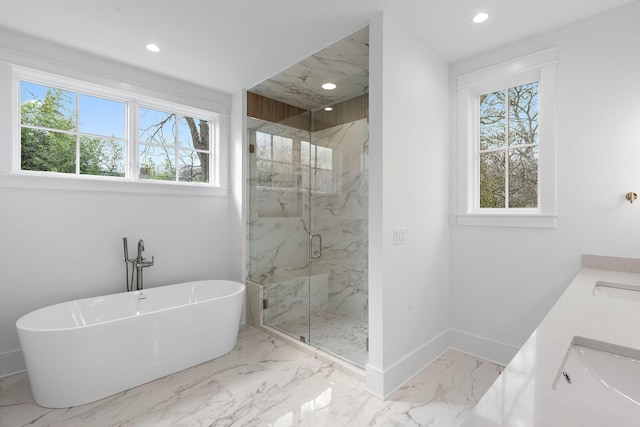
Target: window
(70,132)
(71,128)
(173,147)
(506,144)
(508,152)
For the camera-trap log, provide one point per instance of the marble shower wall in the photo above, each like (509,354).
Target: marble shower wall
(278,217)
(341,218)
(292,297)
(279,226)
(345,63)
(281,216)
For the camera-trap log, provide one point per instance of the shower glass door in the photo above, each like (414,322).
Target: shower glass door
(308,229)
(279,240)
(308,197)
(338,190)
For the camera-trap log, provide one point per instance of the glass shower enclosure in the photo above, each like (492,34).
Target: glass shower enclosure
(308,198)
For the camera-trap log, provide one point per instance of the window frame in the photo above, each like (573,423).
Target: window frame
(182,110)
(133,98)
(540,67)
(59,82)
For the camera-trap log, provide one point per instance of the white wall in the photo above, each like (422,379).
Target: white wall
(409,158)
(61,244)
(504,280)
(237,214)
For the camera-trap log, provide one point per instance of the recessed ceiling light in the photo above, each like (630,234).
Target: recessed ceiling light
(329,86)
(328,108)
(480,17)
(153,48)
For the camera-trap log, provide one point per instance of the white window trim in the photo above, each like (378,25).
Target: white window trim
(539,67)
(14,177)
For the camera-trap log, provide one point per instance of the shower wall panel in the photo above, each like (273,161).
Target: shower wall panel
(279,224)
(340,217)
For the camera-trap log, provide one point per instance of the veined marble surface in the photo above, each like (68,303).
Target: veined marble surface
(293,298)
(283,216)
(333,331)
(264,382)
(341,218)
(345,63)
(525,395)
(281,220)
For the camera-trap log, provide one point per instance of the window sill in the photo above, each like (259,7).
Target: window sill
(37,181)
(527,220)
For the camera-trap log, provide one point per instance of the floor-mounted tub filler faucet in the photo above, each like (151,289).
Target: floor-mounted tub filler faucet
(138,262)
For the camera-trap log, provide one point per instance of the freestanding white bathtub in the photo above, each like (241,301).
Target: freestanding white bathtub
(82,351)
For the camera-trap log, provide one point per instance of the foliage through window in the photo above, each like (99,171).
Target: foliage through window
(509,151)
(506,143)
(173,147)
(71,132)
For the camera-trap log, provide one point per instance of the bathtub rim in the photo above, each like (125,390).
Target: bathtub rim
(241,289)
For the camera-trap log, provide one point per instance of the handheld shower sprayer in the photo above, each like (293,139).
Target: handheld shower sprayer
(126,263)
(139,263)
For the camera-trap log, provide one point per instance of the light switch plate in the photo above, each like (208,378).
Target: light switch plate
(399,235)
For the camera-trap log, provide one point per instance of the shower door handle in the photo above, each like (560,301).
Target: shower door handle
(319,252)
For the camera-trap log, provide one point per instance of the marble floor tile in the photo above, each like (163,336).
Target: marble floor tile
(264,382)
(333,331)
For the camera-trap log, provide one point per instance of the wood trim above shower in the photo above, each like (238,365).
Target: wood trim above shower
(347,111)
(273,111)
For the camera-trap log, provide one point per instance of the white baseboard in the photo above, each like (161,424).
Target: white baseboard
(11,362)
(483,348)
(383,383)
(374,381)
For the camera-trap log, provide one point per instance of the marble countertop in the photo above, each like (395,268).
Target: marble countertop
(525,394)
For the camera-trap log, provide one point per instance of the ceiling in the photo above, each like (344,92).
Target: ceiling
(229,45)
(344,63)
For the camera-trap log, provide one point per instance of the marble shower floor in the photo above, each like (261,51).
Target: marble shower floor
(333,331)
(265,382)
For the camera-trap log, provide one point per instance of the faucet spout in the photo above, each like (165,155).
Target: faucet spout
(140,264)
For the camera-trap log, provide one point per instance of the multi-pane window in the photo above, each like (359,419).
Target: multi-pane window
(508,154)
(506,139)
(173,147)
(274,161)
(78,132)
(71,132)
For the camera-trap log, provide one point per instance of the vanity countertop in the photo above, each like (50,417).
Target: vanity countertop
(525,394)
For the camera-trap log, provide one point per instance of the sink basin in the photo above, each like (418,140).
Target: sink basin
(603,373)
(617,290)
